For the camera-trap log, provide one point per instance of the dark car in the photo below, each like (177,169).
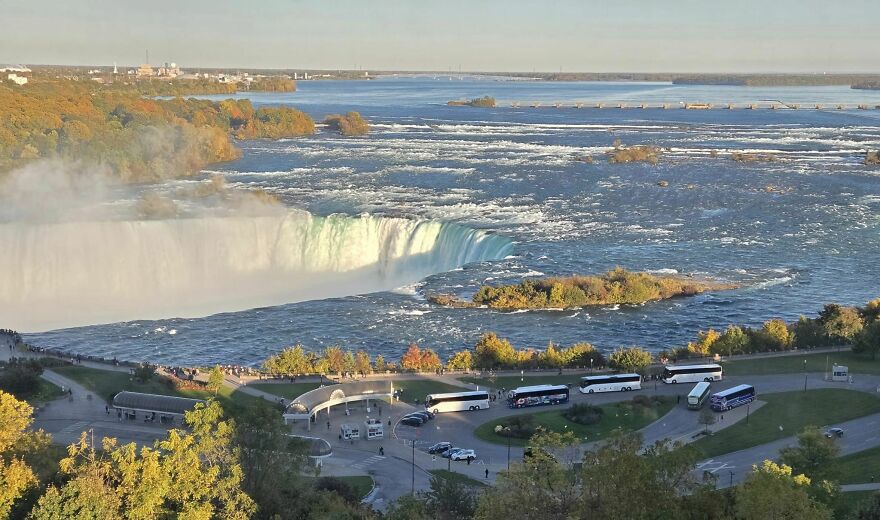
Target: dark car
(412,420)
(834,432)
(423,414)
(440,447)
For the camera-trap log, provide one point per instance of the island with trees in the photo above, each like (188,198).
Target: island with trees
(481,102)
(352,124)
(617,286)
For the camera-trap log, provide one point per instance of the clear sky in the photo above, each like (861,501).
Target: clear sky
(476,35)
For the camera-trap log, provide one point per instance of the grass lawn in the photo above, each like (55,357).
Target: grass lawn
(47,392)
(859,467)
(793,411)
(458,477)
(288,391)
(795,364)
(106,383)
(362,484)
(412,389)
(613,417)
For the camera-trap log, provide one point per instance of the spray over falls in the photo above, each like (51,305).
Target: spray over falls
(60,274)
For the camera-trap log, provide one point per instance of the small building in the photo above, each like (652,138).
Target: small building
(153,406)
(350,431)
(375,430)
(840,373)
(15,78)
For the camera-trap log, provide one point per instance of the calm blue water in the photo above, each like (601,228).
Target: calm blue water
(796,233)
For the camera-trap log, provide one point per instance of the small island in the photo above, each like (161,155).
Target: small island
(872,158)
(351,124)
(617,286)
(481,102)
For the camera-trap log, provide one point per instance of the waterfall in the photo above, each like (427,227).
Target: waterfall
(68,274)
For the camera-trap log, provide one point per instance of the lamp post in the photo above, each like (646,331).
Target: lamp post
(805,374)
(747,413)
(508,452)
(413,492)
(731,477)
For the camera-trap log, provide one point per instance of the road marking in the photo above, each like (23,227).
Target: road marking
(76,427)
(362,465)
(712,466)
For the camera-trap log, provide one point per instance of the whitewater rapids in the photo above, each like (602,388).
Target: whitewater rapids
(58,275)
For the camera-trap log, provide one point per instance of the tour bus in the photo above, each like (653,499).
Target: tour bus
(698,395)
(691,373)
(537,395)
(611,383)
(457,401)
(732,397)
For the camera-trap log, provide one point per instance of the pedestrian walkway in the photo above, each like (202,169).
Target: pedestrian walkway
(868,486)
(364,464)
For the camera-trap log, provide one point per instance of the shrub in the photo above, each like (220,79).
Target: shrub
(517,427)
(349,125)
(639,153)
(584,413)
(482,102)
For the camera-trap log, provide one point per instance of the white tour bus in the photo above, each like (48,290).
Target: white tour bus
(611,383)
(457,401)
(537,395)
(698,395)
(691,373)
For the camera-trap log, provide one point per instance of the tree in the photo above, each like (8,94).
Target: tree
(868,509)
(808,333)
(813,456)
(777,334)
(215,379)
(451,499)
(144,372)
(733,341)
(772,491)
(412,358)
(582,355)
(17,443)
(704,342)
(841,324)
(362,363)
(85,496)
(493,352)
(871,311)
(380,363)
(430,360)
(630,359)
(290,361)
(335,359)
(706,418)
(867,341)
(551,357)
(461,360)
(349,364)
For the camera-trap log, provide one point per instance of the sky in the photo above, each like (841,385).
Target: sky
(473,35)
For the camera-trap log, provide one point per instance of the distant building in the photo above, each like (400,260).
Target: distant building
(169,70)
(15,78)
(145,71)
(18,69)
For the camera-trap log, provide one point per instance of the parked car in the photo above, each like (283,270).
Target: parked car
(834,432)
(448,453)
(412,421)
(425,416)
(440,447)
(464,455)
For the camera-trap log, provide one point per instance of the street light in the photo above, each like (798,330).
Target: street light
(805,374)
(731,478)
(413,492)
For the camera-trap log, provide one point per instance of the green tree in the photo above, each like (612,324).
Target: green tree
(290,361)
(215,379)
(450,499)
(808,333)
(17,443)
(493,352)
(813,456)
(868,509)
(349,363)
(867,341)
(582,355)
(551,357)
(335,358)
(706,418)
(87,496)
(841,324)
(380,363)
(772,491)
(777,334)
(461,360)
(733,341)
(630,359)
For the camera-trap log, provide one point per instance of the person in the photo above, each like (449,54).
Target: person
(469,461)
(107,409)
(678,399)
(381,451)
(328,425)
(487,472)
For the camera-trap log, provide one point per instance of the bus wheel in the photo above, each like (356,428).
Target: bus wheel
(629,388)
(471,408)
(708,380)
(436,411)
(590,391)
(674,381)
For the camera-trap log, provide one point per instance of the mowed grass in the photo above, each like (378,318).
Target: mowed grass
(795,364)
(107,383)
(412,389)
(859,468)
(793,411)
(509,382)
(458,477)
(288,391)
(614,417)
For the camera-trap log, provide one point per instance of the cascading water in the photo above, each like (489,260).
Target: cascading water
(68,274)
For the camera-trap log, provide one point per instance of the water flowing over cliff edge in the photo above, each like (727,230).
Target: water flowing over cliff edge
(56,275)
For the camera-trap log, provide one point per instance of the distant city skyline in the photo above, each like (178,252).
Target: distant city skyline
(487,36)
